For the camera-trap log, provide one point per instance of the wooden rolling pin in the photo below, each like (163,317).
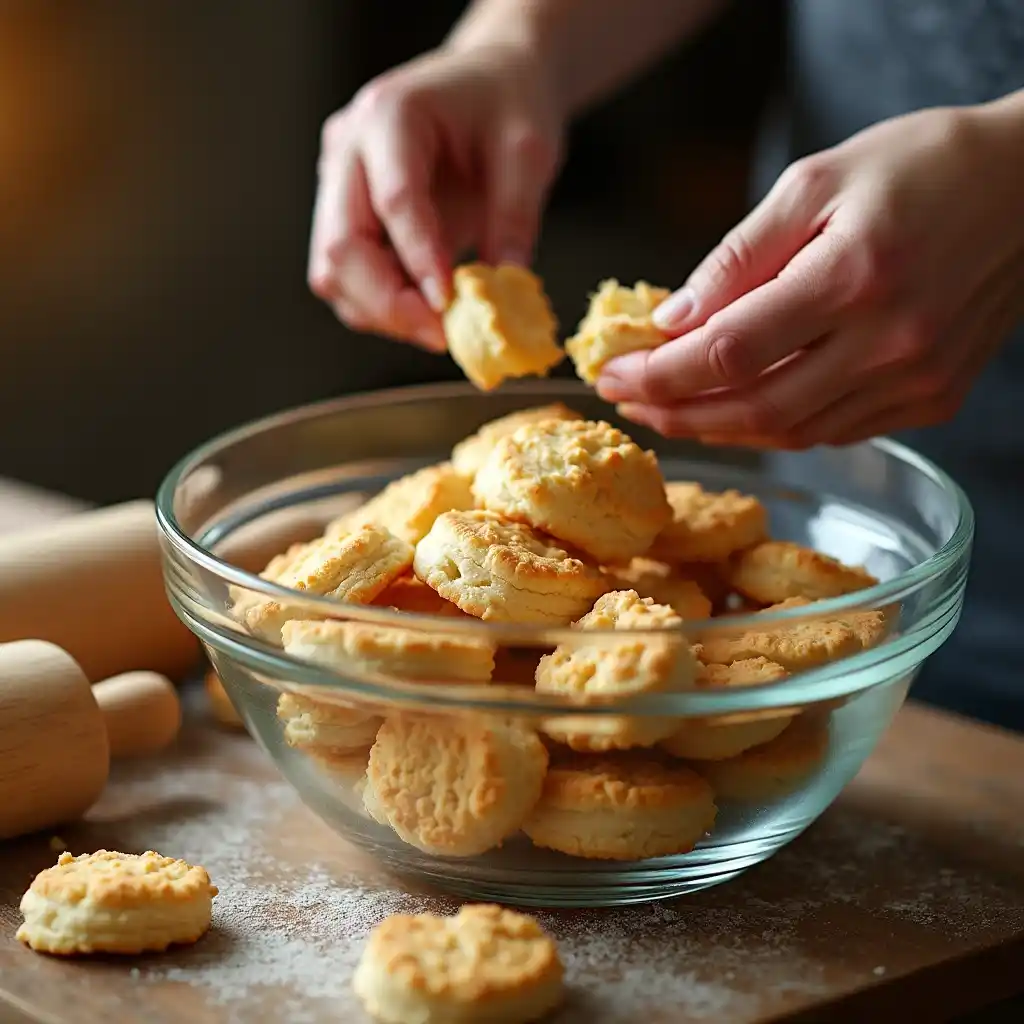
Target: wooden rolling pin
(58,733)
(91,583)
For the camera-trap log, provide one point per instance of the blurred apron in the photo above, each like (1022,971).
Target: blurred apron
(853,63)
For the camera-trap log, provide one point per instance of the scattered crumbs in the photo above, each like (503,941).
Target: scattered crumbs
(878,972)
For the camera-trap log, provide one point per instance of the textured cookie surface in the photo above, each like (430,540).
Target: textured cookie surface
(108,902)
(777,570)
(357,648)
(581,481)
(503,571)
(410,594)
(665,585)
(617,321)
(603,669)
(355,567)
(708,526)
(325,728)
(470,453)
(454,786)
(409,505)
(621,807)
(485,964)
(500,324)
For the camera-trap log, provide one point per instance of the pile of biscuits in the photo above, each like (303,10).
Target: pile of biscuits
(499,324)
(543,518)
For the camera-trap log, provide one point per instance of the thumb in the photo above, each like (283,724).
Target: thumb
(521,166)
(753,252)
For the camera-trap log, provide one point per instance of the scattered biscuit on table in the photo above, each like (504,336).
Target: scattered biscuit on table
(484,964)
(617,321)
(499,324)
(584,482)
(502,571)
(626,806)
(606,669)
(408,506)
(454,786)
(116,903)
(471,452)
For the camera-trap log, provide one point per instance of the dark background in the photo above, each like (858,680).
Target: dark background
(156,181)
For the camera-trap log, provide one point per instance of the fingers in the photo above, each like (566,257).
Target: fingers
(521,165)
(742,341)
(398,160)
(755,250)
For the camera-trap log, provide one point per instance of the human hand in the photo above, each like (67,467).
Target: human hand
(455,149)
(861,297)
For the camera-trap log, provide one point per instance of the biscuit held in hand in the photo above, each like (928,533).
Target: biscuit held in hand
(471,452)
(618,321)
(106,902)
(505,572)
(584,482)
(500,324)
(454,787)
(483,964)
(621,807)
(606,669)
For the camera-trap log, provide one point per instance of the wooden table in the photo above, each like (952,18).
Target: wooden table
(906,901)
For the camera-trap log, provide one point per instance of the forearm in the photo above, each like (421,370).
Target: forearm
(585,48)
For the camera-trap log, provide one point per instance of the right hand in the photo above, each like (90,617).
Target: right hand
(450,151)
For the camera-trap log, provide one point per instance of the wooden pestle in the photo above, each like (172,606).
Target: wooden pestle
(58,733)
(92,584)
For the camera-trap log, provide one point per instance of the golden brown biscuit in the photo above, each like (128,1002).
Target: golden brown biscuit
(454,786)
(798,645)
(483,964)
(410,594)
(107,902)
(622,807)
(500,324)
(617,321)
(220,703)
(776,570)
(708,526)
(325,729)
(357,648)
(502,571)
(774,769)
(714,739)
(356,568)
(607,669)
(584,482)
(409,505)
(469,454)
(665,585)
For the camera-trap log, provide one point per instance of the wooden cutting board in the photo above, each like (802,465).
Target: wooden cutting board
(907,897)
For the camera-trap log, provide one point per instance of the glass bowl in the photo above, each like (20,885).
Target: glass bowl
(606,829)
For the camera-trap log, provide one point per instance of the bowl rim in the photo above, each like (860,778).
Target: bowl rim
(881,594)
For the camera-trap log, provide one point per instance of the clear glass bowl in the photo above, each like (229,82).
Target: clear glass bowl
(229,506)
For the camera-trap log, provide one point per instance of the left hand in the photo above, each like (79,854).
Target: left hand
(861,297)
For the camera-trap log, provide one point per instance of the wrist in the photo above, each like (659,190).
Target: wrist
(999,129)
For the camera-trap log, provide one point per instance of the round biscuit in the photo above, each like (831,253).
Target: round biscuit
(471,452)
(107,902)
(358,648)
(325,729)
(502,571)
(584,482)
(708,526)
(355,568)
(483,964)
(409,505)
(603,670)
(410,594)
(621,807)
(774,769)
(454,787)
(664,585)
(776,570)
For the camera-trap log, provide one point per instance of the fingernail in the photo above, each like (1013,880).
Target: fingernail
(618,377)
(631,411)
(611,387)
(675,310)
(433,293)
